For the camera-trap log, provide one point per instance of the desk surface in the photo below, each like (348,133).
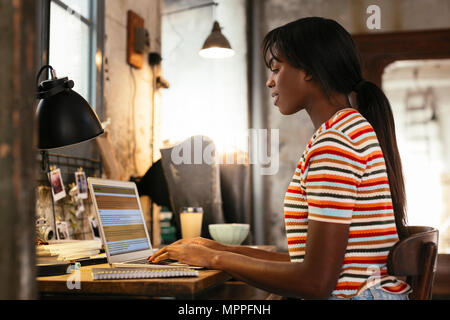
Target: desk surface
(162,287)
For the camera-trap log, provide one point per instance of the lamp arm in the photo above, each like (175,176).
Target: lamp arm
(45,161)
(45,67)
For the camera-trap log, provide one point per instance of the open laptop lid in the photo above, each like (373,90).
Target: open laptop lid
(122,225)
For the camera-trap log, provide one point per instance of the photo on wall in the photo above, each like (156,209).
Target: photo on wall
(94,228)
(80,179)
(62,230)
(57,184)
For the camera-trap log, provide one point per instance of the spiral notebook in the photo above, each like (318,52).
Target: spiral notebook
(141,273)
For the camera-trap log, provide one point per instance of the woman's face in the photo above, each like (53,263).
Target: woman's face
(289,86)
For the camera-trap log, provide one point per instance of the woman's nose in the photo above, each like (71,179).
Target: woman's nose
(270,83)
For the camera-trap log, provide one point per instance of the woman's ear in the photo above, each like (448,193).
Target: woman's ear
(308,77)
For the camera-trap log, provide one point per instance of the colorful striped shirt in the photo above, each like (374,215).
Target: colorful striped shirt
(341,178)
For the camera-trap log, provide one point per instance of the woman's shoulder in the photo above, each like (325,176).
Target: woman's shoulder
(348,126)
(348,135)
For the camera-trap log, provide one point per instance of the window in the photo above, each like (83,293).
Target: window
(72,44)
(418,92)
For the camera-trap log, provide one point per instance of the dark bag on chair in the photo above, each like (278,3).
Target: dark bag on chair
(153,184)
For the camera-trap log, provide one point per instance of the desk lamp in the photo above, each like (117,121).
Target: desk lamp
(63,118)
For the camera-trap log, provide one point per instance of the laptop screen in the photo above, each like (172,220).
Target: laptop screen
(121,218)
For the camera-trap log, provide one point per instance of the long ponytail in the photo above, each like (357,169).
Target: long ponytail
(375,107)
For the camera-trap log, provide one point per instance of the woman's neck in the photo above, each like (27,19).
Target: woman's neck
(322,108)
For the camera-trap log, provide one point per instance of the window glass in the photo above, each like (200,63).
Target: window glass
(418,91)
(69,48)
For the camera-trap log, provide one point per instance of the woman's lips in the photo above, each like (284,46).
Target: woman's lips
(275,97)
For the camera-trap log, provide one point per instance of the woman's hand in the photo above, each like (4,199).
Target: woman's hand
(211,245)
(200,241)
(204,242)
(187,252)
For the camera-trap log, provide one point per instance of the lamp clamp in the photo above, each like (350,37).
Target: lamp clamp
(48,88)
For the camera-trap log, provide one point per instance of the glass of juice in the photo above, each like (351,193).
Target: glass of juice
(191,222)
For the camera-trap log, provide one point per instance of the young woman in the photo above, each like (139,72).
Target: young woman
(345,205)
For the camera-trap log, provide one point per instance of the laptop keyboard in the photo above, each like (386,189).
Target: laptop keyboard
(144,261)
(140,261)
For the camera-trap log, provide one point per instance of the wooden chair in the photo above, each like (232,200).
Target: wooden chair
(415,258)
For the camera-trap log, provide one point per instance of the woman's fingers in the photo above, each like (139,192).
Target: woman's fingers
(157,254)
(162,257)
(182,242)
(163,251)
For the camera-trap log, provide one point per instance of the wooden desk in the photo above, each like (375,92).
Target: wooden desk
(183,288)
(210,284)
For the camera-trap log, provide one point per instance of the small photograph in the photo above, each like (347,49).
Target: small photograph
(80,179)
(94,228)
(62,230)
(58,190)
(79,208)
(77,202)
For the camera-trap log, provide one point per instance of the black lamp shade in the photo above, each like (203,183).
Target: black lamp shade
(65,118)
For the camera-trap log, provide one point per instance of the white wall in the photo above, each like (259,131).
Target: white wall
(128,91)
(206,96)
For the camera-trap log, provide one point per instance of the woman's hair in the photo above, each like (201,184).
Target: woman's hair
(326,51)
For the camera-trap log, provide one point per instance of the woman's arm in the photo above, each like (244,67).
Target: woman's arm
(259,253)
(247,251)
(314,278)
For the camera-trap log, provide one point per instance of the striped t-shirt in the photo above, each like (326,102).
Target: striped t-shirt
(341,178)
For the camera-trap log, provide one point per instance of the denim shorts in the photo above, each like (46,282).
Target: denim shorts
(374,293)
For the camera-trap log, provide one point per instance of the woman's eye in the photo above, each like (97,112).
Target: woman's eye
(274,70)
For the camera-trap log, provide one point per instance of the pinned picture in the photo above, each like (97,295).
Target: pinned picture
(58,190)
(76,201)
(94,228)
(80,208)
(62,230)
(80,179)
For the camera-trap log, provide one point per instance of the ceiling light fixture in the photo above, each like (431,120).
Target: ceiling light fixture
(216,46)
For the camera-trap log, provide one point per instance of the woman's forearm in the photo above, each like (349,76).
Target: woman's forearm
(284,278)
(259,253)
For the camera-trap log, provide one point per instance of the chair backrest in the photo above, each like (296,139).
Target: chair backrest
(415,257)
(194,182)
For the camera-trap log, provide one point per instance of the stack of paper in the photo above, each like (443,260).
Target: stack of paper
(68,250)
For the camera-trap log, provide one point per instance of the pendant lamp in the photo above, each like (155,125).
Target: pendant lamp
(216,46)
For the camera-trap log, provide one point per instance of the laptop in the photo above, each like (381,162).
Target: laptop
(122,225)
